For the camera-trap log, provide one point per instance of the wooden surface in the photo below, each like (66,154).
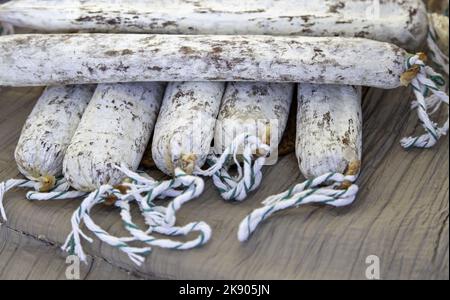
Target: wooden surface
(24,257)
(401,216)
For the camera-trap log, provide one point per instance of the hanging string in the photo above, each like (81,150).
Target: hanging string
(160,219)
(331,189)
(45,188)
(249,175)
(426,85)
(82,214)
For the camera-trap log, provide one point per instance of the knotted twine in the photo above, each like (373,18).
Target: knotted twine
(249,175)
(333,189)
(159,219)
(73,242)
(425,83)
(45,188)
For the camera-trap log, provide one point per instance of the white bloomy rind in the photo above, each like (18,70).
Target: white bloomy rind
(329,128)
(187,120)
(401,22)
(115,129)
(49,128)
(28,60)
(254,109)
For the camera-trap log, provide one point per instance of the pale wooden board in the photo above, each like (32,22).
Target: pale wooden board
(401,214)
(25,258)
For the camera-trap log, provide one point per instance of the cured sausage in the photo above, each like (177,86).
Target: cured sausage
(251,123)
(329,128)
(46,136)
(107,58)
(260,109)
(181,142)
(115,129)
(400,22)
(186,121)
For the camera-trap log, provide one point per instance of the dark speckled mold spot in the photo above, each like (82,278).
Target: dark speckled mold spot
(127,52)
(334,8)
(186,50)
(217,50)
(111,53)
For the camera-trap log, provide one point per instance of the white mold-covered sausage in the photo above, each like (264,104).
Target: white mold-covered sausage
(90,58)
(251,123)
(329,128)
(329,145)
(114,130)
(329,139)
(49,128)
(107,58)
(181,142)
(258,109)
(45,137)
(403,22)
(106,151)
(182,139)
(186,121)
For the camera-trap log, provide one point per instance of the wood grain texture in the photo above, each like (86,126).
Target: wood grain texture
(401,214)
(26,258)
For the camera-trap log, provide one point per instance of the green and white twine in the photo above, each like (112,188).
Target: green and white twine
(14,183)
(249,176)
(310,191)
(73,242)
(155,220)
(428,99)
(160,219)
(60,191)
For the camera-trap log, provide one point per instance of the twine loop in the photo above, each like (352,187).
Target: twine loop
(144,190)
(426,84)
(325,189)
(249,177)
(45,188)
